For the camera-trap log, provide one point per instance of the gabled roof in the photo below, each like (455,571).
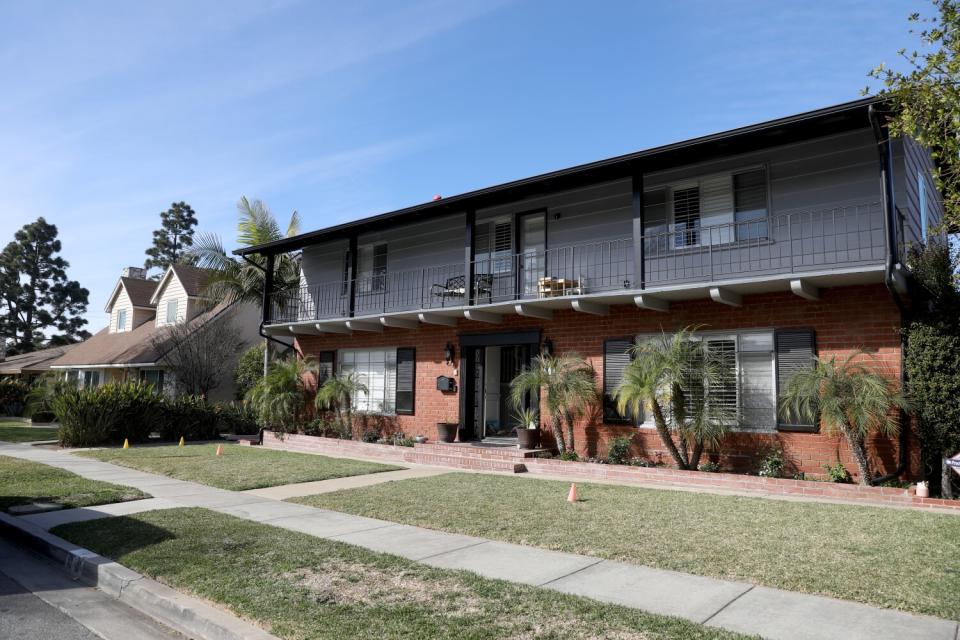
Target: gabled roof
(33,362)
(139,291)
(192,279)
(820,122)
(126,348)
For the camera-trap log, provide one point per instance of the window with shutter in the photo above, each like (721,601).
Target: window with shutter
(686,217)
(750,204)
(326,366)
(406,379)
(616,357)
(723,392)
(494,246)
(796,350)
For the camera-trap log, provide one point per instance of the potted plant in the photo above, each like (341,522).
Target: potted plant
(528,433)
(447,431)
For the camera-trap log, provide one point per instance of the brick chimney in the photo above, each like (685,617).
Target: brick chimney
(137,273)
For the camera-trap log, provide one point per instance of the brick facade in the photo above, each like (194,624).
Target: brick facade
(844,319)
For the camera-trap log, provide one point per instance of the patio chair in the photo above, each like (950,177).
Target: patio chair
(454,287)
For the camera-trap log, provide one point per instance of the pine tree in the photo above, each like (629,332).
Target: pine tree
(173,239)
(35,293)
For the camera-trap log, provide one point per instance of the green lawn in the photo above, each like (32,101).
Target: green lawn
(298,586)
(21,432)
(239,468)
(890,558)
(23,482)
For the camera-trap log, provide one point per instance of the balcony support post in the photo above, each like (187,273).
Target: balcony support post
(468,256)
(267,309)
(639,268)
(352,273)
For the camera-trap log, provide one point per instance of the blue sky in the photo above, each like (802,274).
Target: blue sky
(112,110)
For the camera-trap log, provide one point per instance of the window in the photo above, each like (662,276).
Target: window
(406,379)
(152,376)
(708,210)
(91,379)
(377,370)
(494,246)
(325,369)
(796,350)
(172,311)
(122,320)
(750,204)
(73,377)
(372,267)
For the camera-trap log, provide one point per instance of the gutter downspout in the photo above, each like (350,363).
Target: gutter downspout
(263,313)
(885,151)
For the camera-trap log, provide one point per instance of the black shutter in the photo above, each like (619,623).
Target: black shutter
(616,357)
(406,379)
(796,350)
(326,368)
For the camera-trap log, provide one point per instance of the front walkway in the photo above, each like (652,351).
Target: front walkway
(736,606)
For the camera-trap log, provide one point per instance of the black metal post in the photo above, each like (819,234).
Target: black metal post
(639,268)
(352,273)
(468,256)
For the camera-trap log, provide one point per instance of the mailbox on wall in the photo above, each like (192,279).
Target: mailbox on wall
(446,384)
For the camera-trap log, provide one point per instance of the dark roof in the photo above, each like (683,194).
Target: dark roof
(139,291)
(193,279)
(33,362)
(126,347)
(843,117)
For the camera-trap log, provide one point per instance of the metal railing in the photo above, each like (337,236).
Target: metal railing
(792,242)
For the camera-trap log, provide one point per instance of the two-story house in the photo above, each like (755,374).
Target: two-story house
(132,345)
(780,240)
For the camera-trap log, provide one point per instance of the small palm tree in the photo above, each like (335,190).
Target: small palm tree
(236,279)
(848,399)
(337,393)
(672,376)
(568,388)
(279,399)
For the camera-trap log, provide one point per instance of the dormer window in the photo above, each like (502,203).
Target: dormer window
(171,312)
(122,320)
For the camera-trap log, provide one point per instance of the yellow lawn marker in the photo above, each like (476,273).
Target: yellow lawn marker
(182,443)
(126,443)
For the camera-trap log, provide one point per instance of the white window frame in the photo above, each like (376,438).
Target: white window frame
(350,360)
(173,305)
(121,320)
(737,336)
(703,231)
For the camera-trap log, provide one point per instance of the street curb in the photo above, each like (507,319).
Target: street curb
(180,612)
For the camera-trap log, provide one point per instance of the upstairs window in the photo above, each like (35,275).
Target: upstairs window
(121,320)
(172,311)
(686,217)
(750,204)
(372,267)
(494,246)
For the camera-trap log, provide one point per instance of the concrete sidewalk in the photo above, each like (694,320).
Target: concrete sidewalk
(736,606)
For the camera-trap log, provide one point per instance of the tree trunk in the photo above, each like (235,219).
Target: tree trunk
(558,433)
(568,417)
(859,454)
(266,357)
(695,456)
(946,479)
(664,434)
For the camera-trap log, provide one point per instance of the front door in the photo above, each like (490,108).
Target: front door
(532,238)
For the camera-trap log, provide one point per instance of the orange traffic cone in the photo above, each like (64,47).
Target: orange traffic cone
(572,496)
(219,450)
(126,443)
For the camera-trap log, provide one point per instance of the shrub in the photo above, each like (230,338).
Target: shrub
(569,456)
(109,413)
(837,473)
(619,450)
(249,370)
(13,396)
(772,464)
(370,435)
(190,417)
(710,467)
(279,398)
(325,427)
(236,418)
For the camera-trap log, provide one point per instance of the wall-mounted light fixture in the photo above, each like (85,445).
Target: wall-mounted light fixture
(449,353)
(547,347)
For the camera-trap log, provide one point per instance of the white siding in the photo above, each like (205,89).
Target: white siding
(174,291)
(121,303)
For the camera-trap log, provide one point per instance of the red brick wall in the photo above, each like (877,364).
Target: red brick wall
(844,319)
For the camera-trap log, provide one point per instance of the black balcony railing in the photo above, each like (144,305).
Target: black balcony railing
(793,242)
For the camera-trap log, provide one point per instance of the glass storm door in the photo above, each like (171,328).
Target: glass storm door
(533,245)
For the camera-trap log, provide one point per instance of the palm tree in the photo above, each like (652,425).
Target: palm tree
(280,397)
(567,384)
(237,279)
(337,393)
(672,375)
(848,399)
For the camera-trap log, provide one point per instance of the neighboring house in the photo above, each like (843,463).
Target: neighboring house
(141,311)
(780,240)
(29,366)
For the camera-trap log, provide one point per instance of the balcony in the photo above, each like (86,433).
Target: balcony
(837,244)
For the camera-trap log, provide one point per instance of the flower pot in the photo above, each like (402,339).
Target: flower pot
(447,431)
(923,490)
(528,438)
